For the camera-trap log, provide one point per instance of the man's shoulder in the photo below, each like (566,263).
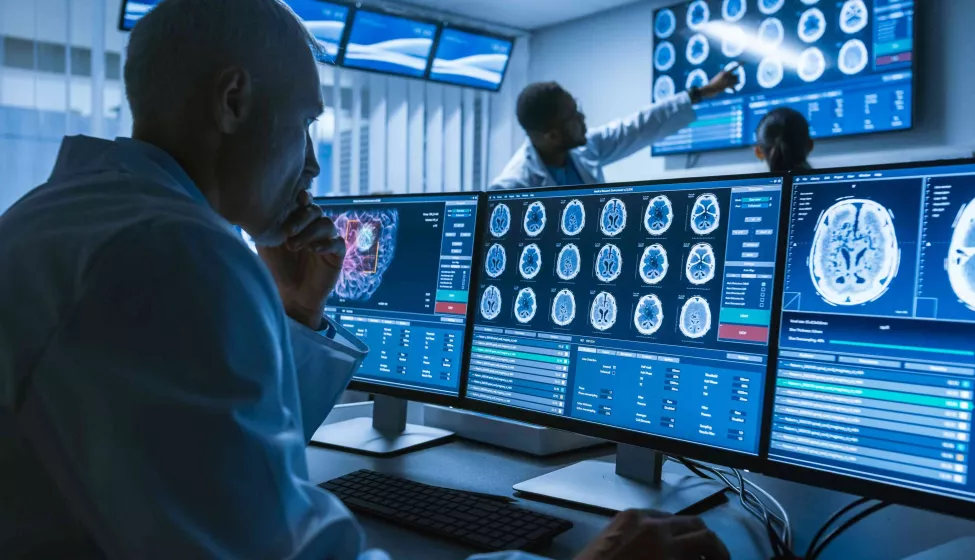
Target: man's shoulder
(518,172)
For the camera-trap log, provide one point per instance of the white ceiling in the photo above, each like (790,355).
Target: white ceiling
(520,14)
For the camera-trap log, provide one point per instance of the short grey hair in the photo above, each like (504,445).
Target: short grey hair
(179,44)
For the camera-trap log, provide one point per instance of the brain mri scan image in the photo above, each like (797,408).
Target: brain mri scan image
(531,262)
(612,220)
(609,263)
(853,57)
(701,264)
(770,72)
(491,303)
(563,308)
(654,264)
(569,262)
(664,56)
(697,78)
(733,10)
(535,219)
(698,49)
(525,305)
(500,220)
(665,24)
(659,215)
(495,261)
(663,88)
(705,215)
(649,315)
(742,78)
(695,317)
(960,264)
(602,315)
(854,16)
(370,243)
(573,218)
(812,25)
(734,42)
(771,34)
(698,15)
(854,254)
(769,7)
(812,64)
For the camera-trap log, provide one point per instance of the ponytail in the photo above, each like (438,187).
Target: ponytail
(783,135)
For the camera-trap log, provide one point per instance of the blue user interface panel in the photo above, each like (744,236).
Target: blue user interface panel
(469,59)
(391,44)
(876,367)
(133,11)
(847,65)
(645,308)
(326,21)
(404,284)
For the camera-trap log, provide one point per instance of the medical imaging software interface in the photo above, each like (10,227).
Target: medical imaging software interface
(403,286)
(392,44)
(877,362)
(847,65)
(645,308)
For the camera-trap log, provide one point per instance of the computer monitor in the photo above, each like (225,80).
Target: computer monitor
(382,42)
(873,389)
(326,21)
(132,11)
(469,58)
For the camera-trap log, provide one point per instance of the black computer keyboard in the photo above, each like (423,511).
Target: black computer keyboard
(471,519)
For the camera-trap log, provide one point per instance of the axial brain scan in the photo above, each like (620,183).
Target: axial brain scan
(700,264)
(960,264)
(573,218)
(695,317)
(531,262)
(854,252)
(535,219)
(500,220)
(770,72)
(563,308)
(853,57)
(698,49)
(734,42)
(705,215)
(602,315)
(733,10)
(654,264)
(370,242)
(525,305)
(698,15)
(663,88)
(812,25)
(491,303)
(665,24)
(664,56)
(697,78)
(812,64)
(659,215)
(495,261)
(771,34)
(609,263)
(649,315)
(569,262)
(612,220)
(769,7)
(854,16)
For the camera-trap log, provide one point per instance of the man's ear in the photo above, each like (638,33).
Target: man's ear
(233,99)
(759,153)
(812,144)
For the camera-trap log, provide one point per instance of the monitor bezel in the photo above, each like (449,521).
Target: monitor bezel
(415,394)
(829,479)
(749,144)
(449,27)
(659,443)
(121,18)
(347,35)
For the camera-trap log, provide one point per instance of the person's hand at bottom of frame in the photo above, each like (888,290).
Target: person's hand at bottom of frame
(640,535)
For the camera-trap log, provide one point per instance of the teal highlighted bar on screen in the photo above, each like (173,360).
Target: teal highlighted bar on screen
(719,120)
(458,296)
(895,47)
(899,347)
(745,316)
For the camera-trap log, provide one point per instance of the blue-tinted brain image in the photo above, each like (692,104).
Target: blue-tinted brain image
(663,88)
(664,56)
(853,57)
(698,49)
(370,244)
(563,308)
(573,218)
(705,214)
(602,314)
(569,262)
(700,264)
(812,25)
(853,16)
(525,305)
(612,220)
(500,220)
(609,263)
(698,15)
(695,317)
(649,315)
(654,264)
(491,303)
(495,261)
(812,64)
(960,264)
(697,78)
(665,23)
(771,33)
(770,72)
(531,262)
(659,215)
(733,10)
(769,7)
(854,254)
(535,219)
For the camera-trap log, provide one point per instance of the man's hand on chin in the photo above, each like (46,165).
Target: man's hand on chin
(307,266)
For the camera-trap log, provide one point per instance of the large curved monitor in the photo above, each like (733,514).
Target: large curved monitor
(637,312)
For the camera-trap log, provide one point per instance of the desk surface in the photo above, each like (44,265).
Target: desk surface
(893,533)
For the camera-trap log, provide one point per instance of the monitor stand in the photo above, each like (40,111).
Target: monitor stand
(386,433)
(636,481)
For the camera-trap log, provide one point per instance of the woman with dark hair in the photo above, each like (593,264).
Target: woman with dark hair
(783,140)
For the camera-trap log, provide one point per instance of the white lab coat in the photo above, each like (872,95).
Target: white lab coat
(604,145)
(155,400)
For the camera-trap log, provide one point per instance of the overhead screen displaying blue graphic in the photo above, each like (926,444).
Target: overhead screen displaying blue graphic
(326,21)
(876,370)
(133,11)
(391,44)
(470,59)
(404,284)
(645,308)
(847,65)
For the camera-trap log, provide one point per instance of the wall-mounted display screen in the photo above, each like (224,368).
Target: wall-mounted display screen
(133,11)
(391,44)
(847,65)
(471,59)
(326,21)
